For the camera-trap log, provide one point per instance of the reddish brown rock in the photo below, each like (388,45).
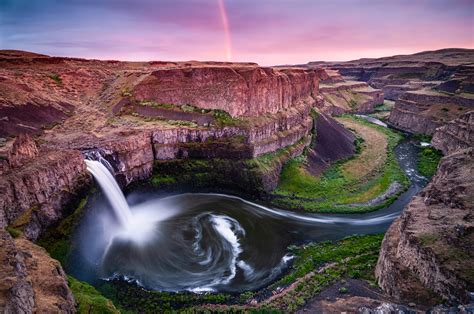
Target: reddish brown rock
(241,91)
(34,195)
(30,280)
(423,111)
(431,246)
(24,149)
(333,142)
(457,134)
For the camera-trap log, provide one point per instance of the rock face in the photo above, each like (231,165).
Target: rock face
(457,134)
(430,247)
(241,91)
(423,111)
(23,150)
(340,95)
(30,280)
(401,73)
(333,142)
(34,195)
(430,88)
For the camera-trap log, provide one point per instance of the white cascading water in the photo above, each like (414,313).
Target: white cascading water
(112,191)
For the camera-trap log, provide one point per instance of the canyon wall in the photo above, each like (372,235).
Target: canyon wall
(35,193)
(429,88)
(241,91)
(457,134)
(430,246)
(30,280)
(422,112)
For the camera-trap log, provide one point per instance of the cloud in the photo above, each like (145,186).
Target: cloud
(265,31)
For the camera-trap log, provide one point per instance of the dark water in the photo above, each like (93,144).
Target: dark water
(212,242)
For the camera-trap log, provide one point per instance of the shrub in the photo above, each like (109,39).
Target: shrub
(55,77)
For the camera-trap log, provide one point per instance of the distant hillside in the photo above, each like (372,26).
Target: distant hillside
(448,56)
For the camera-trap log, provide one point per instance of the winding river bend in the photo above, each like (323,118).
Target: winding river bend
(211,242)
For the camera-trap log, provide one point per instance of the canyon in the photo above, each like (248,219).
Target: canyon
(228,127)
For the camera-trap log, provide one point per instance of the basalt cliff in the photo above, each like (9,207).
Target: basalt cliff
(429,88)
(428,251)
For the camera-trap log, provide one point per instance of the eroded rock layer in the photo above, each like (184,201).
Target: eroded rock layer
(241,91)
(428,251)
(333,142)
(423,111)
(30,280)
(457,134)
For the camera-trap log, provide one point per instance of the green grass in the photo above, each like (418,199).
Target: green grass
(130,298)
(428,239)
(221,117)
(422,138)
(88,299)
(57,240)
(428,160)
(159,180)
(55,77)
(14,232)
(333,191)
(352,257)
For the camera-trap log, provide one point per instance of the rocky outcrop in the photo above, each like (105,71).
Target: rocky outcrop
(331,143)
(455,135)
(255,177)
(24,149)
(30,280)
(348,96)
(430,247)
(401,70)
(423,111)
(34,195)
(240,91)
(258,136)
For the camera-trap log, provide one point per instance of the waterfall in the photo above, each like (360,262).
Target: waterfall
(111,190)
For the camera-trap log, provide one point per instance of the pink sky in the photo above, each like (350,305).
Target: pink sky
(265,31)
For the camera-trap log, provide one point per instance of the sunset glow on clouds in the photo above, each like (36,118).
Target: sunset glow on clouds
(263,31)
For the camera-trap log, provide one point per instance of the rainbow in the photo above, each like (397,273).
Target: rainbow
(225,24)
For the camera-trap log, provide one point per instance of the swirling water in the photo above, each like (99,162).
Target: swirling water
(211,242)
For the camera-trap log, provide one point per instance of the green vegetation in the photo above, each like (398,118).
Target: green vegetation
(88,299)
(24,217)
(428,239)
(159,180)
(428,160)
(130,298)
(355,180)
(57,240)
(221,117)
(352,257)
(55,77)
(422,138)
(237,174)
(382,111)
(14,232)
(352,103)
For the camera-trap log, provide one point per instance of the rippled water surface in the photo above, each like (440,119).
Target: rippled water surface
(211,242)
